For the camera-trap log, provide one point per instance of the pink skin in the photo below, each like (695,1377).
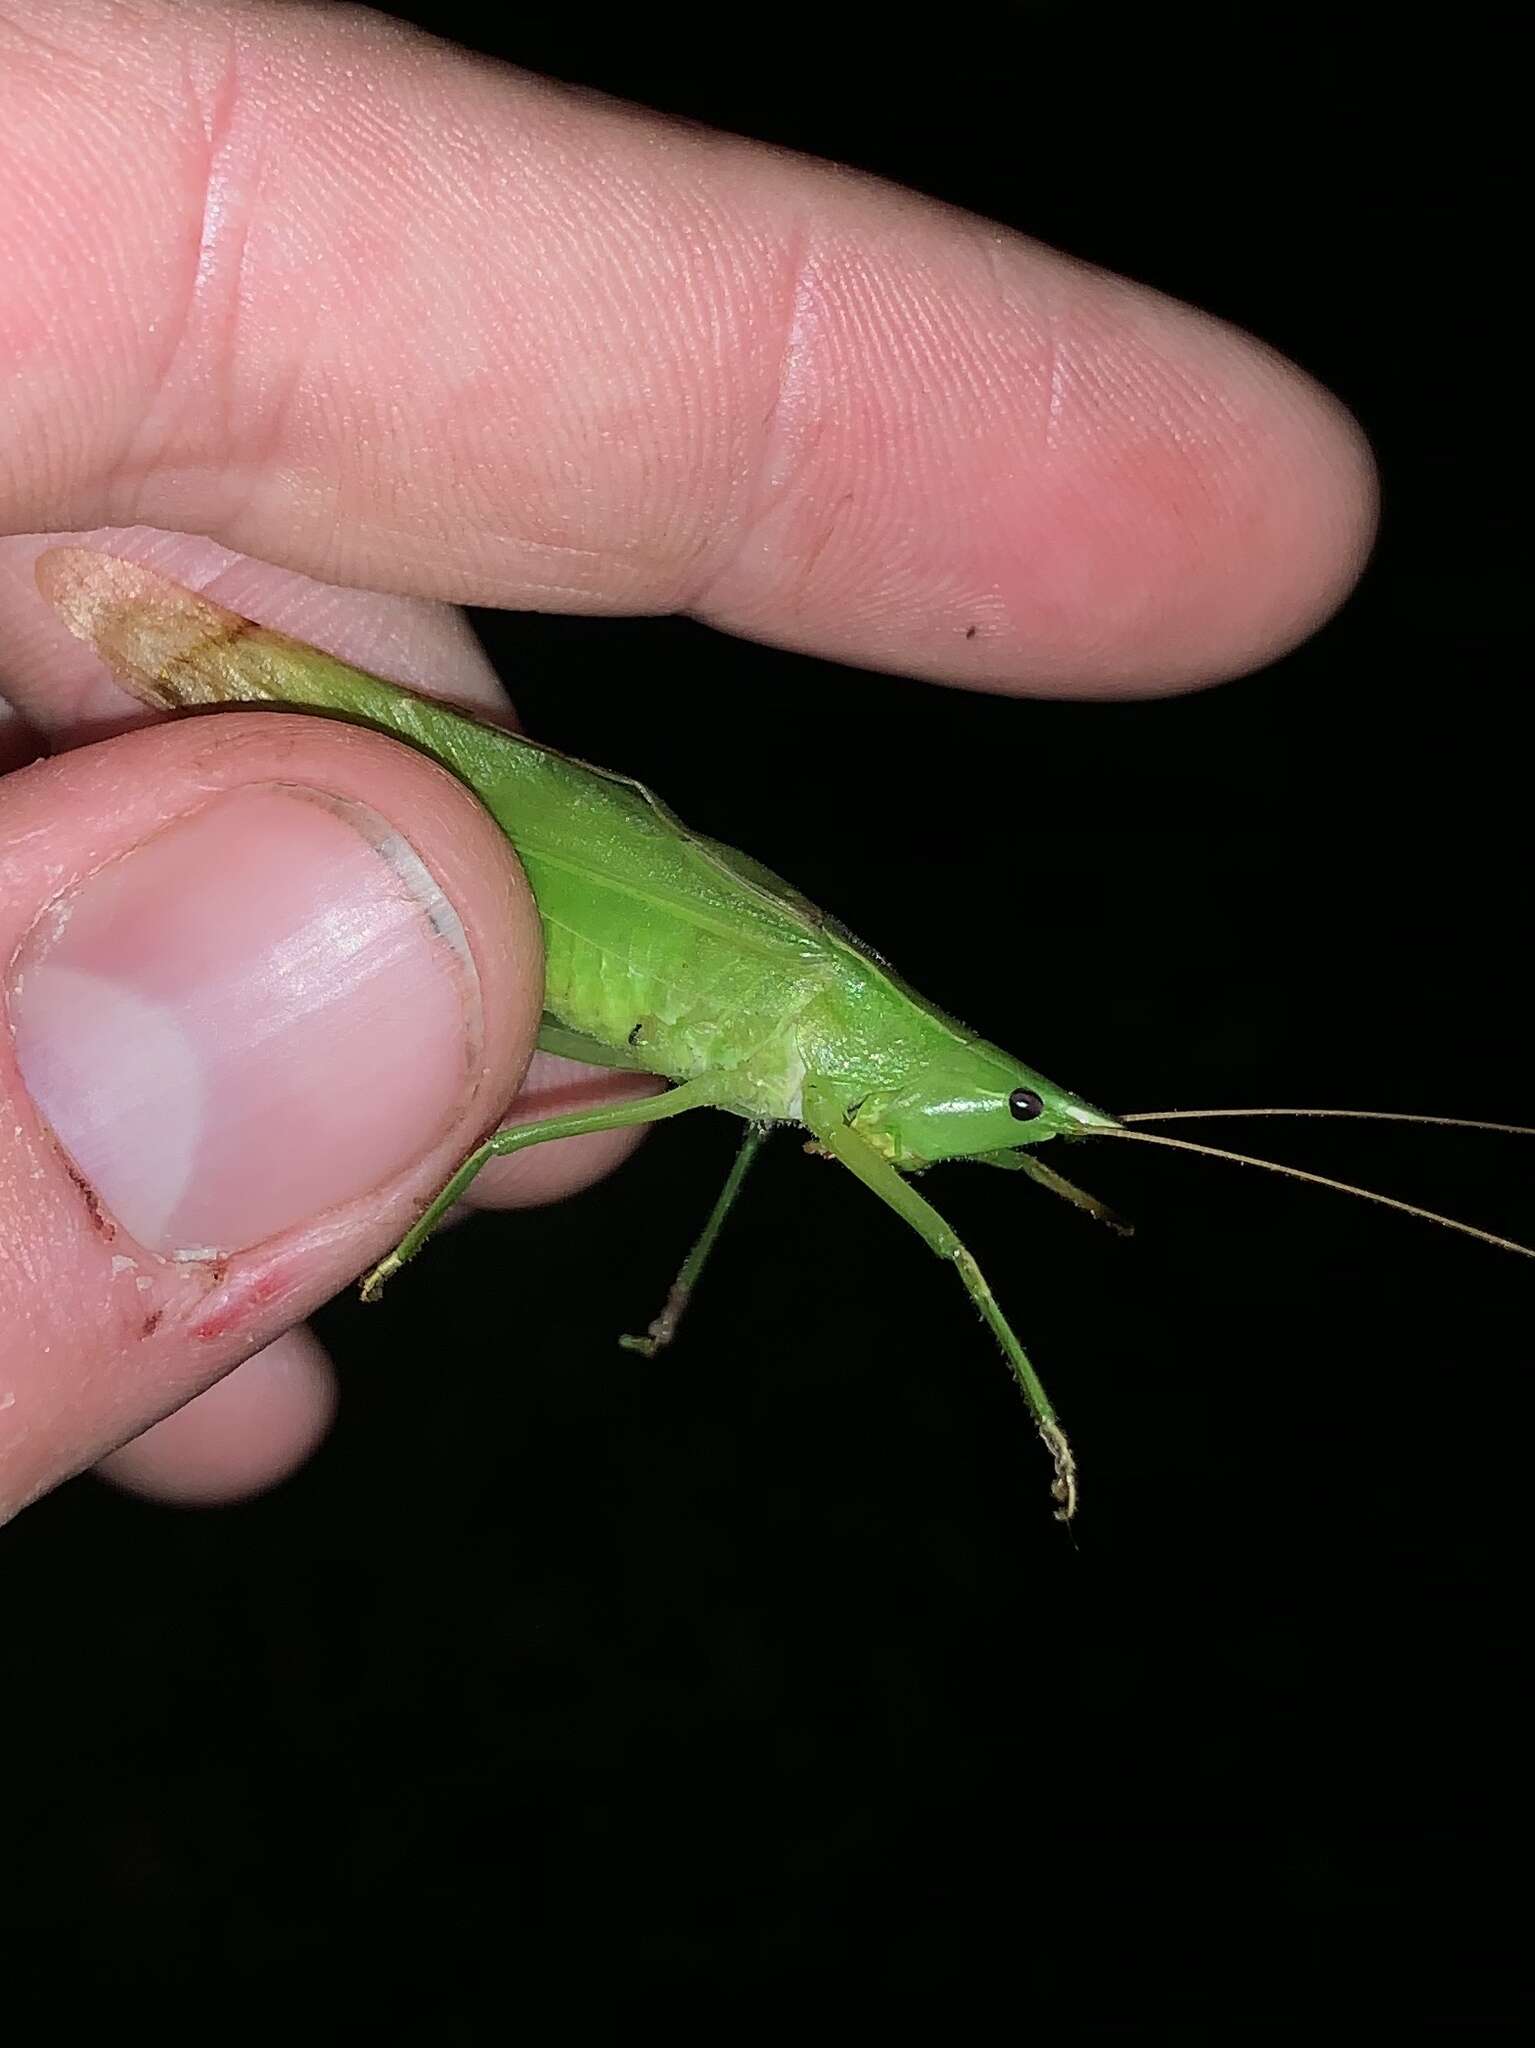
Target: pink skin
(566,357)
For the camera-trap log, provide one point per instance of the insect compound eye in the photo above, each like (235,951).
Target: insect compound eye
(1026,1105)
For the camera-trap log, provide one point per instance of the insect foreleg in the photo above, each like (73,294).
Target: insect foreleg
(614,1116)
(664,1328)
(826,1123)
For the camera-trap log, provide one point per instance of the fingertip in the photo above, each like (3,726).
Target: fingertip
(241,1437)
(267,979)
(1294,492)
(999,468)
(678,371)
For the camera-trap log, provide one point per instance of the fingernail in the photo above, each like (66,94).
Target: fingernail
(267,1009)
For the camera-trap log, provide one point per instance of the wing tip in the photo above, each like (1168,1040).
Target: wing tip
(141,624)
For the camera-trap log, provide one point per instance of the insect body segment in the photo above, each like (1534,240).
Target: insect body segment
(665,951)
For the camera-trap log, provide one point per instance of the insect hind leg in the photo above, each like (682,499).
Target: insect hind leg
(613,1116)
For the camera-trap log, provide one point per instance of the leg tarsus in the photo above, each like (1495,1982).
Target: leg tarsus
(660,1332)
(1064,1491)
(373,1283)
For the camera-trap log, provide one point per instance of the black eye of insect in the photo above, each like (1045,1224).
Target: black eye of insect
(1026,1105)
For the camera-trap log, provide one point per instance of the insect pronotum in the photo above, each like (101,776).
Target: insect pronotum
(669,954)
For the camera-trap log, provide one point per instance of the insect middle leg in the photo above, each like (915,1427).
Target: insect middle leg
(826,1123)
(616,1116)
(664,1328)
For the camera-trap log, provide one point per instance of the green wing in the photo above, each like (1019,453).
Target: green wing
(729,862)
(178,650)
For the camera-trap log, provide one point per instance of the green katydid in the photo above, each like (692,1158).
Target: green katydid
(669,954)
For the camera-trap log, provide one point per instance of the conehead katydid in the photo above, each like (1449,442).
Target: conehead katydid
(665,953)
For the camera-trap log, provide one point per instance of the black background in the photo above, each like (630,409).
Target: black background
(562,1684)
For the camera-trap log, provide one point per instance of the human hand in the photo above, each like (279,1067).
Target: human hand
(456,335)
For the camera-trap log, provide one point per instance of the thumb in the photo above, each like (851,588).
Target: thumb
(265,979)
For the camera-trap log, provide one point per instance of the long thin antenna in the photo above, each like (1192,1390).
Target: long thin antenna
(1379,1116)
(1319,1180)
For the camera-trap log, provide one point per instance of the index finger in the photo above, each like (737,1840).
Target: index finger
(351,301)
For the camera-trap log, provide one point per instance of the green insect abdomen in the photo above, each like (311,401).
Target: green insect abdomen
(687,999)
